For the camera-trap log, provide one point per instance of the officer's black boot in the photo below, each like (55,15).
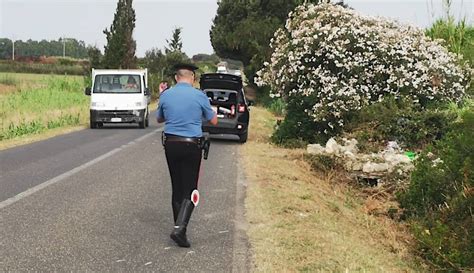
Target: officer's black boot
(176,206)
(179,233)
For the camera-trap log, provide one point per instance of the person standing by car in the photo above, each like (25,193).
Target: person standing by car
(163,86)
(182,108)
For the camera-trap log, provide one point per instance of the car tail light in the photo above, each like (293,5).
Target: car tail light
(241,108)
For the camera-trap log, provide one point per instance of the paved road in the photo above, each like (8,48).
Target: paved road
(99,200)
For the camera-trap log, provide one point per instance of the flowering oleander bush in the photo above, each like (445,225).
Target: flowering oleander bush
(329,62)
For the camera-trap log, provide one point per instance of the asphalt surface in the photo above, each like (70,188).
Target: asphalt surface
(100,200)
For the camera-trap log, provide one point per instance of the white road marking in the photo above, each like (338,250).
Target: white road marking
(67,174)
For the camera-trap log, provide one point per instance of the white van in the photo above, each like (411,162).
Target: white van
(119,96)
(221,69)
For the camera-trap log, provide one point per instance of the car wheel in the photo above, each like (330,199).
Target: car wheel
(243,137)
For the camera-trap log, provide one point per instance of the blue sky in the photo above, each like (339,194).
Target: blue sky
(86,19)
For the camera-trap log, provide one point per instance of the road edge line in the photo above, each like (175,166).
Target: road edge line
(241,254)
(69,173)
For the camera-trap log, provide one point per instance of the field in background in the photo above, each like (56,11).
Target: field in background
(300,220)
(33,103)
(52,65)
(19,81)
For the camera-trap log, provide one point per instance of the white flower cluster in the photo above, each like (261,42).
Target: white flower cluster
(343,61)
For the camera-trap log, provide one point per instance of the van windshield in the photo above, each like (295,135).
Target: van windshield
(117,84)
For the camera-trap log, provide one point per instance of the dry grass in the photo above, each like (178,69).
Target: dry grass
(302,221)
(5,89)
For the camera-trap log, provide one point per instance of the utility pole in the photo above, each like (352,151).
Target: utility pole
(64,47)
(64,40)
(13,49)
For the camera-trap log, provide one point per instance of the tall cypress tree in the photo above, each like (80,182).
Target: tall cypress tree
(175,43)
(174,54)
(120,48)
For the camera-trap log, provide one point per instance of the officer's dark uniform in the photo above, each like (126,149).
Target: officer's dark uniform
(182,108)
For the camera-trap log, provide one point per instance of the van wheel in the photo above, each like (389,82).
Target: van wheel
(93,124)
(147,119)
(243,137)
(142,124)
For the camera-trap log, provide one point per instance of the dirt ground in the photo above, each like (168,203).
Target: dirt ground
(4,89)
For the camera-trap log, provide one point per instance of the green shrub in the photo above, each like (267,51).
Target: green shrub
(440,198)
(154,84)
(67,61)
(24,128)
(207,67)
(277,107)
(263,96)
(400,120)
(458,37)
(64,120)
(324,163)
(298,129)
(88,80)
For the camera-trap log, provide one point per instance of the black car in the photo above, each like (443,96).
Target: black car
(226,94)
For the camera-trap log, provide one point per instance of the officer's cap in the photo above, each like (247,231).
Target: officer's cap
(189,67)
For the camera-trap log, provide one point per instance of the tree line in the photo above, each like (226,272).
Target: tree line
(30,48)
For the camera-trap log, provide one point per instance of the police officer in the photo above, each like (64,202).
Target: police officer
(182,109)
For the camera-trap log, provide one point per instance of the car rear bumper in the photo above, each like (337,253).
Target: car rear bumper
(117,116)
(237,129)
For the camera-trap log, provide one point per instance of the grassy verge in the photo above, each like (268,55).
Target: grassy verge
(39,103)
(303,221)
(26,139)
